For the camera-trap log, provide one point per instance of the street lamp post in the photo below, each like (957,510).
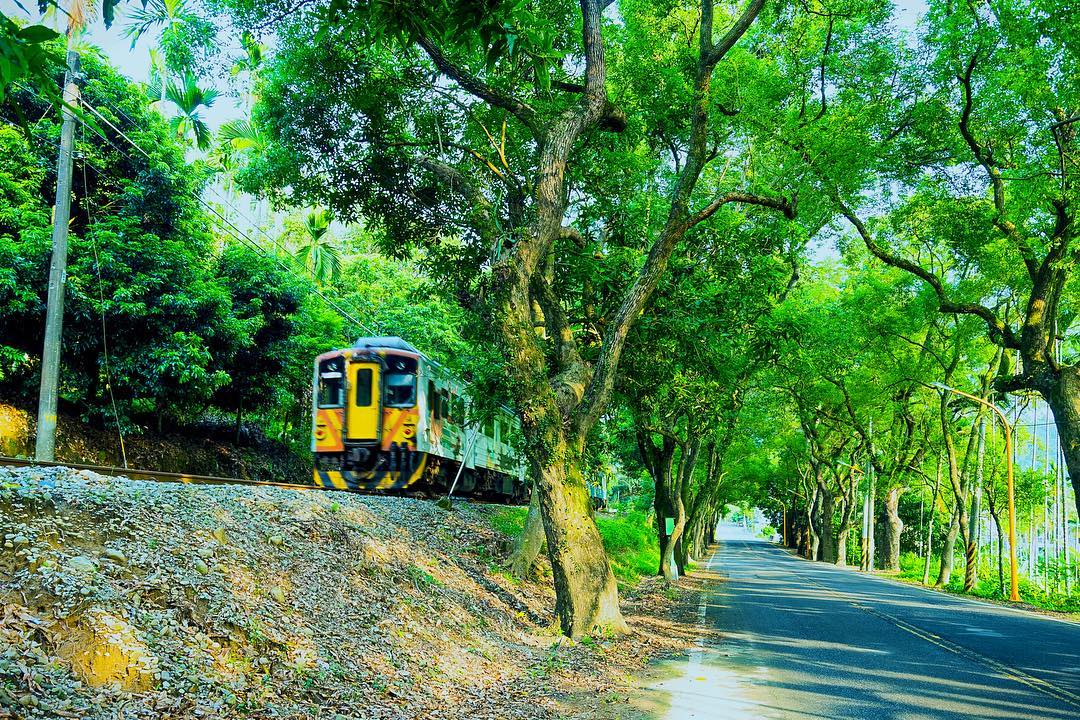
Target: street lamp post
(1014,590)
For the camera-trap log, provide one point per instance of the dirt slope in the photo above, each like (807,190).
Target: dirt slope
(201,449)
(140,600)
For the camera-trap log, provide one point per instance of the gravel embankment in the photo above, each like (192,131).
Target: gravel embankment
(131,599)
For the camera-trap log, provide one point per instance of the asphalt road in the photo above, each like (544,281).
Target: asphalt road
(795,639)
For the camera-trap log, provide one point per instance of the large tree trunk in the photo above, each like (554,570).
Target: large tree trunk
(930,526)
(813,524)
(660,462)
(1063,396)
(828,540)
(846,519)
(1000,552)
(530,542)
(685,478)
(959,483)
(586,595)
(948,551)
(893,527)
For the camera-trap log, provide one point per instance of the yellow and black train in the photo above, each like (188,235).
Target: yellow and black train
(388,419)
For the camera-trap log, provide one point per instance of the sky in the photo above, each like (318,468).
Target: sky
(133,62)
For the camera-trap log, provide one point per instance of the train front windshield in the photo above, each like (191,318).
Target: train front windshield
(400,390)
(332,383)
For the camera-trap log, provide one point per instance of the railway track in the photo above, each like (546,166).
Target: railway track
(158,475)
(192,479)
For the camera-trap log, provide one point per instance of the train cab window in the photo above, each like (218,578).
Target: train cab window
(363,387)
(400,382)
(332,383)
(400,390)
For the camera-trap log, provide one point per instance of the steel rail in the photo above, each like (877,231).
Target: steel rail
(158,475)
(192,479)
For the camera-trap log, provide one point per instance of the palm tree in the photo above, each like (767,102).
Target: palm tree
(244,136)
(169,15)
(248,65)
(319,253)
(189,98)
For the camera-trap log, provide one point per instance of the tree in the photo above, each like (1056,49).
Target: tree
(183,35)
(158,307)
(432,161)
(189,100)
(265,301)
(318,251)
(990,179)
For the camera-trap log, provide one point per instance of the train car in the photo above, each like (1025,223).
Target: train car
(387,419)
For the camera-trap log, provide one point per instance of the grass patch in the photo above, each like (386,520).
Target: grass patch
(987,585)
(510,520)
(631,545)
(629,539)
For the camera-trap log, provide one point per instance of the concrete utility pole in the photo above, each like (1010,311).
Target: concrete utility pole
(45,440)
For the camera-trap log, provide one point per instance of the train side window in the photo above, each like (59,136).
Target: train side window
(363,387)
(432,400)
(444,405)
(332,383)
(457,411)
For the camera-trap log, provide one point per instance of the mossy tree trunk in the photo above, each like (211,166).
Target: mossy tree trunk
(528,545)
(558,393)
(894,526)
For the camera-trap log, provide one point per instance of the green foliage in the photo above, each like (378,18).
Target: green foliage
(189,100)
(23,57)
(192,322)
(988,587)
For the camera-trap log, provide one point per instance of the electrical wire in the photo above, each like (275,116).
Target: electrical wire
(91,235)
(236,232)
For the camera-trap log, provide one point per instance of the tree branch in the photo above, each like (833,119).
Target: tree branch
(985,158)
(784,205)
(720,49)
(482,212)
(477,87)
(1000,333)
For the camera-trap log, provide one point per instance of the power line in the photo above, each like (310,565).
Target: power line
(223,200)
(231,228)
(91,235)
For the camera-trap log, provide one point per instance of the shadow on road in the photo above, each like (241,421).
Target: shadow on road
(786,638)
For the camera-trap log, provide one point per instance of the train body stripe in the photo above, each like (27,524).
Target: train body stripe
(372,479)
